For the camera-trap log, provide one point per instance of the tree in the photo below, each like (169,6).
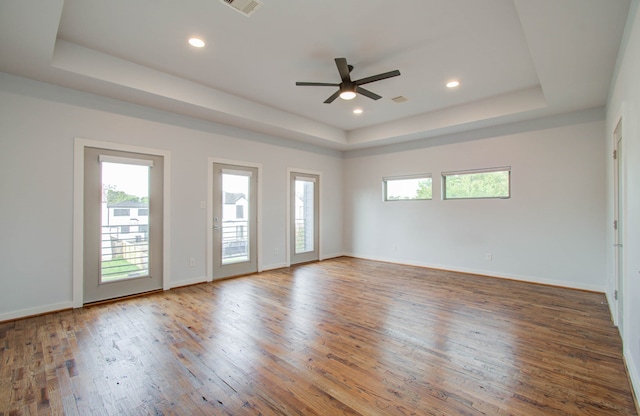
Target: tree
(424,189)
(114,196)
(478,185)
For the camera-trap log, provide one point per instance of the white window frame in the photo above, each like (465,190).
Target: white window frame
(387,179)
(444,176)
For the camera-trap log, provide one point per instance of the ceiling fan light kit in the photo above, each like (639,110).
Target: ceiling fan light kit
(348,89)
(348,93)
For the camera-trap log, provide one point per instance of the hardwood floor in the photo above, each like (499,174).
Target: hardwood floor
(341,337)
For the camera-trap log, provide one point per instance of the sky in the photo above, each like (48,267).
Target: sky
(134,179)
(131,179)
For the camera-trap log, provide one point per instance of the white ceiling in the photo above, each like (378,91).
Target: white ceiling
(515,59)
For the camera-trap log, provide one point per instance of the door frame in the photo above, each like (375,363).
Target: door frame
(288,211)
(79,146)
(258,166)
(619,193)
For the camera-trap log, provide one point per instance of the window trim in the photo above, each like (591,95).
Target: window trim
(444,176)
(385,179)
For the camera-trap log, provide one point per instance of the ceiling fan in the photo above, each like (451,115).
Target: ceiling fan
(347,89)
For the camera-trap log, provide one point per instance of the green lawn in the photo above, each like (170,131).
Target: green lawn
(117,269)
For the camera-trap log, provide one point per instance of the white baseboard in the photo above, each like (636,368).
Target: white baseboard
(273,267)
(332,256)
(188,282)
(633,374)
(281,265)
(489,273)
(24,313)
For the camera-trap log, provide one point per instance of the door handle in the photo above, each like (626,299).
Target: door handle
(617,245)
(216,227)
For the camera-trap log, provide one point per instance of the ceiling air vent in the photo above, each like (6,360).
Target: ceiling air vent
(400,99)
(246,7)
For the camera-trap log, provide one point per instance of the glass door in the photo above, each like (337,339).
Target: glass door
(304,218)
(234,220)
(123,224)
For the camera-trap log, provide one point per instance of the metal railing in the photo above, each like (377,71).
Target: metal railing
(300,235)
(235,241)
(124,254)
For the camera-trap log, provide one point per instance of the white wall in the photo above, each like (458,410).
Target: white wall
(38,125)
(624,103)
(550,231)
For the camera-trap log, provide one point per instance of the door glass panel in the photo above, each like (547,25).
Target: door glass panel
(235,218)
(304,221)
(124,248)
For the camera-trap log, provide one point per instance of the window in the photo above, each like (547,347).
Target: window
(143,212)
(408,187)
(239,211)
(121,212)
(124,229)
(480,183)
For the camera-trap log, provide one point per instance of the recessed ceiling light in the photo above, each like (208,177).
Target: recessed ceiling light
(196,42)
(453,84)
(357,111)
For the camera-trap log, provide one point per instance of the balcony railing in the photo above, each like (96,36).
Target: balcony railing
(235,241)
(124,254)
(302,236)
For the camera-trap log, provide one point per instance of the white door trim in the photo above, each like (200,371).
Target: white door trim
(223,161)
(78,210)
(288,213)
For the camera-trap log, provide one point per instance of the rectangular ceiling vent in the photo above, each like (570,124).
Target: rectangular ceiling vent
(246,7)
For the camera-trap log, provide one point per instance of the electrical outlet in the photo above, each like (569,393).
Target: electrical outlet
(192,262)
(488,257)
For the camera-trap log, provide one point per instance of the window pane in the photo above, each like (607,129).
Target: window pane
(477,185)
(235,240)
(124,251)
(409,188)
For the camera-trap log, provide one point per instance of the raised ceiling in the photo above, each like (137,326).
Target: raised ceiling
(515,59)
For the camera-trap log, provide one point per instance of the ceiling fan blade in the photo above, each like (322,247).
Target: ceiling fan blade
(317,84)
(332,98)
(377,77)
(368,93)
(343,69)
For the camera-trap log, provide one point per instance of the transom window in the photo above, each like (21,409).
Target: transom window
(475,184)
(407,187)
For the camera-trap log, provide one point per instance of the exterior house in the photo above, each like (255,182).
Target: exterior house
(128,218)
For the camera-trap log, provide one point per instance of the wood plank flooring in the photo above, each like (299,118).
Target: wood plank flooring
(340,337)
